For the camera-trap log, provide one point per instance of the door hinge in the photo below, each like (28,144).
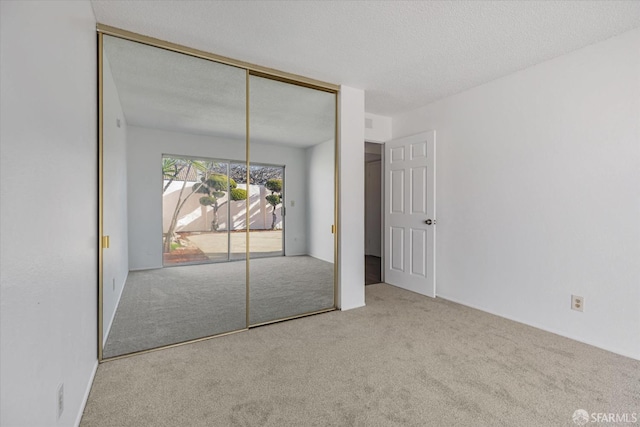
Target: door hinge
(105,242)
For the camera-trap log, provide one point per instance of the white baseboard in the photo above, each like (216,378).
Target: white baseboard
(543,328)
(330,261)
(113,315)
(146,268)
(345,308)
(86,395)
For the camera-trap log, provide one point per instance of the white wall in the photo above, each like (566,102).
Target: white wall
(145,148)
(351,208)
(538,194)
(116,257)
(377,128)
(48,290)
(320,199)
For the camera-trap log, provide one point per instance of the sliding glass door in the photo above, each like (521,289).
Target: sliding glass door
(267,220)
(237,214)
(204,208)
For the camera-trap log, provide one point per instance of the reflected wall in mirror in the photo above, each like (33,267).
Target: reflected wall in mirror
(191,204)
(167,118)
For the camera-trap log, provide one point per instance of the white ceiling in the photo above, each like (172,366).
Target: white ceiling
(166,90)
(404,54)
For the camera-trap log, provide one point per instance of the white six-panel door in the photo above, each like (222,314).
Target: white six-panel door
(410,213)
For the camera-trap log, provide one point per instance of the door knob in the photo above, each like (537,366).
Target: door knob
(429,221)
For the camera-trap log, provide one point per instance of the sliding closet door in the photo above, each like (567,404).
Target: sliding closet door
(171,271)
(292,163)
(217,194)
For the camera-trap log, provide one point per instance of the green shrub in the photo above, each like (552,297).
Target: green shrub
(274,185)
(238,194)
(207,201)
(216,182)
(274,199)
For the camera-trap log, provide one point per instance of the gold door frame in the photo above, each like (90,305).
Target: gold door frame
(251,70)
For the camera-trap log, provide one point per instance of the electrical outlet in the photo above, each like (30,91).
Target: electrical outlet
(60,400)
(577,303)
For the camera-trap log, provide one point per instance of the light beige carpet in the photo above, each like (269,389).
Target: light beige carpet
(403,360)
(171,305)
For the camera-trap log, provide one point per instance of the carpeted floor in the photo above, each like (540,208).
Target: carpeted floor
(403,360)
(171,305)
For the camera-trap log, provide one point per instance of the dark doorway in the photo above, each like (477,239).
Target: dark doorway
(372,269)
(373,212)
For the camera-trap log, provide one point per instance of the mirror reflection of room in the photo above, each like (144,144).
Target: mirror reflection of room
(299,123)
(204,210)
(158,104)
(181,202)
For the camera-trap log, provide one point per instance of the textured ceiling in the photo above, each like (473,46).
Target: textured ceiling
(404,54)
(166,90)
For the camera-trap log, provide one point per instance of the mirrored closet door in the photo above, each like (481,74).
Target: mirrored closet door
(217,196)
(293,125)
